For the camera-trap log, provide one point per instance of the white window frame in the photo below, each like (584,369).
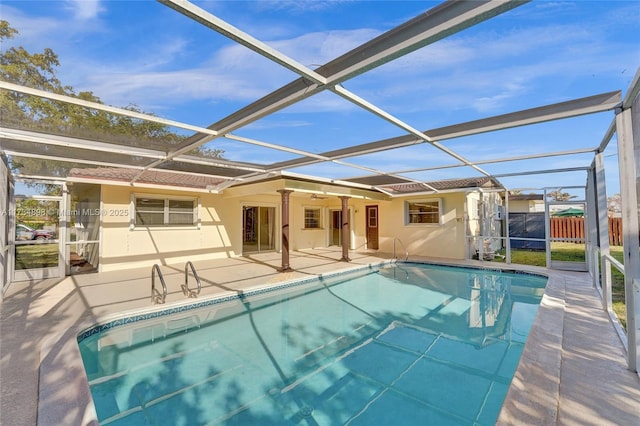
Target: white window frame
(408,213)
(197,221)
(320,217)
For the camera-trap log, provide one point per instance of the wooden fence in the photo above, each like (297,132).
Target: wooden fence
(568,229)
(615,231)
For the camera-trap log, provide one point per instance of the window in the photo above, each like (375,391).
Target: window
(311,218)
(163,211)
(181,212)
(423,212)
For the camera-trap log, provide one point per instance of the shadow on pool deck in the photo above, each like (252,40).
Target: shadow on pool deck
(573,369)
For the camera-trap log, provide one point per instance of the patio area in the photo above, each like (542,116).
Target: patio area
(573,369)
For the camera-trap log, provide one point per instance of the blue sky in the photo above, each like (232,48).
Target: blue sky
(144,53)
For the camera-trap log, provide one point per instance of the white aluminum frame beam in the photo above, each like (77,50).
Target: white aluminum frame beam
(628,128)
(32,137)
(55,158)
(441,21)
(608,136)
(36,137)
(583,106)
(542,172)
(600,198)
(320,158)
(493,161)
(589,105)
(101,107)
(396,121)
(633,92)
(596,103)
(211,21)
(71,142)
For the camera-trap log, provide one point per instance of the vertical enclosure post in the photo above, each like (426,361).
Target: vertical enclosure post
(285,230)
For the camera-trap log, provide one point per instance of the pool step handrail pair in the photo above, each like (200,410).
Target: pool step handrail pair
(159,298)
(406,252)
(185,287)
(156,297)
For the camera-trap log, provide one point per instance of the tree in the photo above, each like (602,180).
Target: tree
(558,195)
(38,70)
(614,204)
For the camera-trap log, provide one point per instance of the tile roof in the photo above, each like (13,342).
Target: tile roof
(184,180)
(526,197)
(154,177)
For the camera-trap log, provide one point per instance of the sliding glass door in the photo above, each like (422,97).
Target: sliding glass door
(36,245)
(258,229)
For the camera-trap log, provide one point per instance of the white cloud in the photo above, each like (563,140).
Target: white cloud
(178,87)
(232,73)
(318,48)
(32,30)
(85,9)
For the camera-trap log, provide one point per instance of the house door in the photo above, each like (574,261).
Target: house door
(335,237)
(36,231)
(372,227)
(258,229)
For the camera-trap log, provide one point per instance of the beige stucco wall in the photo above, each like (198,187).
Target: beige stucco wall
(220,232)
(144,246)
(446,240)
(522,206)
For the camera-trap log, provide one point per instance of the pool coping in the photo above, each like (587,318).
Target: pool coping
(533,365)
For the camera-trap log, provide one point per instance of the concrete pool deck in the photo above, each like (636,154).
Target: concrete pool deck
(573,369)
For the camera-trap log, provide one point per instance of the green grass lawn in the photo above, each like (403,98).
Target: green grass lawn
(617,288)
(569,252)
(36,256)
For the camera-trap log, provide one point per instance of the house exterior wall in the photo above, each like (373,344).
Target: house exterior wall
(444,240)
(520,206)
(526,206)
(143,246)
(219,233)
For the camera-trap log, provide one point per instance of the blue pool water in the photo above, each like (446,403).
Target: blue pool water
(404,345)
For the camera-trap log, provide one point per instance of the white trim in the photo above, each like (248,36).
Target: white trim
(321,219)
(407,212)
(166,198)
(277,221)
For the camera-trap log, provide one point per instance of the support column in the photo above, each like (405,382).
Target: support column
(603,228)
(346,230)
(285,230)
(629,176)
(4,223)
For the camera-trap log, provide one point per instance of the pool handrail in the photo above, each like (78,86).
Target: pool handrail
(406,252)
(185,288)
(156,298)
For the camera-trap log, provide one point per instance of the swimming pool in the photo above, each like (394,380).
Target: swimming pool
(405,344)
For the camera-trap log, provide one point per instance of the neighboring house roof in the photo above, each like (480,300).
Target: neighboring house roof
(526,197)
(443,185)
(152,177)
